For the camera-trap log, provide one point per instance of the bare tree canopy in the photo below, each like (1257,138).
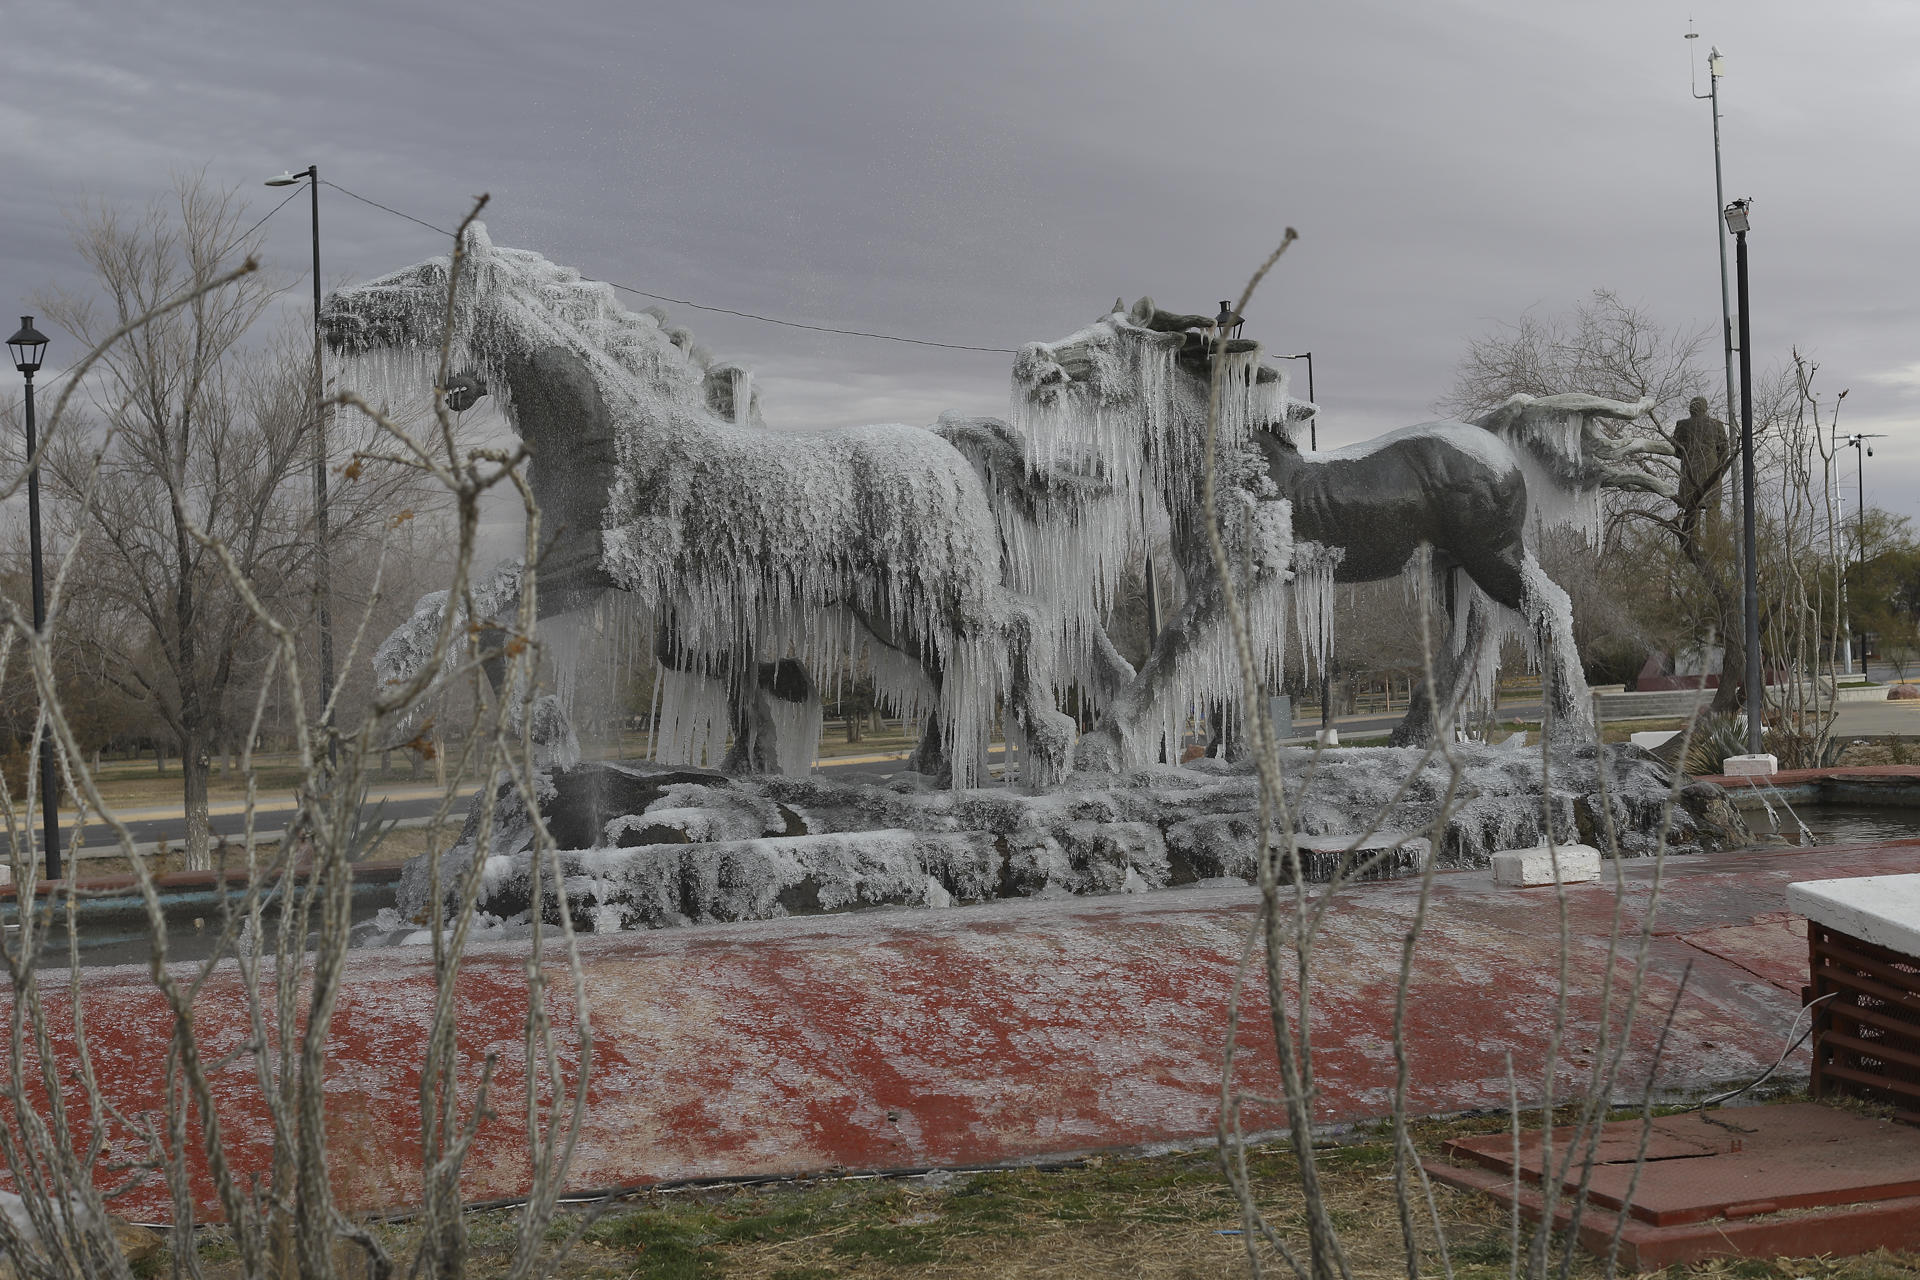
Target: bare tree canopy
(202,436)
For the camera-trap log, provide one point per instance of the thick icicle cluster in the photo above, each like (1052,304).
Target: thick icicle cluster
(751,545)
(1114,400)
(968,568)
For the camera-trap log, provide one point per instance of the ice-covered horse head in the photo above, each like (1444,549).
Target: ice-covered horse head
(514,302)
(1130,392)
(748,548)
(1128,396)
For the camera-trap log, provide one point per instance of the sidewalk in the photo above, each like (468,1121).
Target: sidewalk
(1008,1031)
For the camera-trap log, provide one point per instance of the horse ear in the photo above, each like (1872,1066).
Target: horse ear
(1142,312)
(1119,305)
(476,242)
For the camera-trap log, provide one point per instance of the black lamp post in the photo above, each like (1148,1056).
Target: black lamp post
(28,347)
(1861,452)
(1736,216)
(323,578)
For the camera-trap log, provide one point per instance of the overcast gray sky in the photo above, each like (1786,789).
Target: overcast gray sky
(993,173)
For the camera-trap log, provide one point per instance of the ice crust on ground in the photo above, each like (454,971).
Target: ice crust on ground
(718,849)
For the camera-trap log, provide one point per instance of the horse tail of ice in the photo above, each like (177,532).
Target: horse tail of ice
(1568,457)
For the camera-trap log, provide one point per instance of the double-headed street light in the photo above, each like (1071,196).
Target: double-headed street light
(1861,452)
(1736,216)
(28,348)
(323,578)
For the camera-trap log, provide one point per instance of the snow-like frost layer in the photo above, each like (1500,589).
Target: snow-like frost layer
(721,850)
(751,543)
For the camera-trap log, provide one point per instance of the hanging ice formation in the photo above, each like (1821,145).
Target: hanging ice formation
(969,567)
(1569,457)
(752,546)
(1127,398)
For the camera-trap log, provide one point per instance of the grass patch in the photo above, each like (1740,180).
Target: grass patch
(1169,1217)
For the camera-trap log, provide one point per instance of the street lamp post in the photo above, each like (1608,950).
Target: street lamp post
(1861,452)
(323,578)
(28,347)
(1736,218)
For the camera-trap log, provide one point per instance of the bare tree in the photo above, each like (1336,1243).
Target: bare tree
(196,431)
(1280,955)
(284,934)
(1610,347)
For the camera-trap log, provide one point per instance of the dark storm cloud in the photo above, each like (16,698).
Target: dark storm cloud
(995,173)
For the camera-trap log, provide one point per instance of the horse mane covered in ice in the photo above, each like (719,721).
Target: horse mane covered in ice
(745,546)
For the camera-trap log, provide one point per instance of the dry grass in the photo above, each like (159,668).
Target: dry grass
(1162,1218)
(1891,749)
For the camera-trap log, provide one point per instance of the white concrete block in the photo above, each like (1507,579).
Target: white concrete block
(1525,868)
(1327,737)
(1653,739)
(1883,910)
(1760,766)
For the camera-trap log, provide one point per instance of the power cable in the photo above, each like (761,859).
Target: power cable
(701,306)
(817,328)
(263,222)
(385,208)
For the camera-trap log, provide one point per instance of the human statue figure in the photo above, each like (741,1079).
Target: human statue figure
(1701,441)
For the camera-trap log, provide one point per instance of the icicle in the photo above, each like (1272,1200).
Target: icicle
(1314,566)
(796,735)
(742,396)
(693,719)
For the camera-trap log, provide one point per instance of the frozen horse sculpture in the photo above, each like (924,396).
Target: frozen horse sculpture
(746,547)
(1132,389)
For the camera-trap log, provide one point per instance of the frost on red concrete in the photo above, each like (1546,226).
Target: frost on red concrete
(973,1035)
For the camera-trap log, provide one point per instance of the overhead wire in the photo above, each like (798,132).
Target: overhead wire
(701,306)
(625,288)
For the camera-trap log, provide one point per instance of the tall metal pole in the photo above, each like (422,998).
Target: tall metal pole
(49,782)
(1313,443)
(1326,666)
(1756,694)
(1860,551)
(323,577)
(1720,202)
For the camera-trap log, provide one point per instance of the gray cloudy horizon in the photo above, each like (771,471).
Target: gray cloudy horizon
(996,173)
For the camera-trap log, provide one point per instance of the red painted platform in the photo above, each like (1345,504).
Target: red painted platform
(1002,1032)
(1795,1180)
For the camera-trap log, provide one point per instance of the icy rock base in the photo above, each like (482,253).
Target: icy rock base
(648,846)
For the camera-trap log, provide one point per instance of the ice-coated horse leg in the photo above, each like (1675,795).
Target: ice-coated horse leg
(929,757)
(1469,632)
(1131,728)
(1563,682)
(1048,733)
(756,733)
